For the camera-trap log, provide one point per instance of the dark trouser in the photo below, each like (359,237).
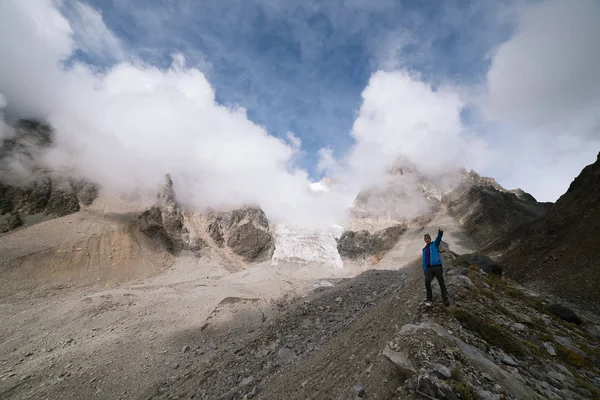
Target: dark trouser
(430,273)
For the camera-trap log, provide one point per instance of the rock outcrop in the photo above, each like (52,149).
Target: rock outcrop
(486,210)
(39,190)
(559,252)
(363,244)
(243,231)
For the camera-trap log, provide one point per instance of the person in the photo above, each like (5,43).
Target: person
(432,267)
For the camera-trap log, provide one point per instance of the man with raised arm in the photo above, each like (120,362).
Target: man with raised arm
(432,267)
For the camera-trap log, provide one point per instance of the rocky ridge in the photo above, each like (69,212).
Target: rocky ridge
(38,193)
(372,337)
(487,211)
(558,253)
(243,232)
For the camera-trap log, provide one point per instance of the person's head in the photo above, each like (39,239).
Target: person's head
(427,238)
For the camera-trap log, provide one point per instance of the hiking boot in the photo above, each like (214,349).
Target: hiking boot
(446,302)
(428,303)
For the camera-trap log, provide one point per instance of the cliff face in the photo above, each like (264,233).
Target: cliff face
(560,250)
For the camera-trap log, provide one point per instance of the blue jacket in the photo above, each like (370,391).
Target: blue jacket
(435,258)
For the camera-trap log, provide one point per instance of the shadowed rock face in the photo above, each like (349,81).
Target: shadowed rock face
(560,251)
(244,231)
(487,211)
(38,191)
(364,244)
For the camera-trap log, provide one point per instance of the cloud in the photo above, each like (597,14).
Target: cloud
(6,131)
(547,76)
(92,35)
(402,115)
(132,123)
(542,96)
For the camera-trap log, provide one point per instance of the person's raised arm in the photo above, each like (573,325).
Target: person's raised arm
(438,239)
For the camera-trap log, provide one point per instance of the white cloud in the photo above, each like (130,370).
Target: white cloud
(127,127)
(402,115)
(548,74)
(6,131)
(92,35)
(543,89)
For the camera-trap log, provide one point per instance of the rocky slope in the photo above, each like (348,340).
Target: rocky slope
(242,235)
(486,210)
(559,252)
(371,337)
(29,192)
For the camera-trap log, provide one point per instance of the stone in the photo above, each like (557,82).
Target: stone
(568,343)
(443,371)
(483,262)
(10,221)
(549,348)
(462,281)
(62,201)
(425,385)
(359,391)
(593,330)
(363,244)
(185,349)
(556,376)
(247,381)
(251,242)
(506,359)
(519,327)
(401,360)
(285,355)
(565,314)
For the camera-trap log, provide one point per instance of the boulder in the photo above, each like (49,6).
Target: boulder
(87,192)
(363,244)
(401,360)
(150,223)
(565,314)
(251,242)
(62,201)
(10,221)
(483,262)
(31,197)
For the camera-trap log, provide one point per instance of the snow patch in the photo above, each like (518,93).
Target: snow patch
(307,245)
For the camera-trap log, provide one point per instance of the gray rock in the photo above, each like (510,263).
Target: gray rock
(215,232)
(10,221)
(487,395)
(478,359)
(401,360)
(483,262)
(62,201)
(247,381)
(549,348)
(185,349)
(565,313)
(593,330)
(506,359)
(463,281)
(285,355)
(519,327)
(359,391)
(362,244)
(563,370)
(30,197)
(568,343)
(251,242)
(556,376)
(443,371)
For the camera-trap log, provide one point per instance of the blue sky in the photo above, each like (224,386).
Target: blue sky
(300,66)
